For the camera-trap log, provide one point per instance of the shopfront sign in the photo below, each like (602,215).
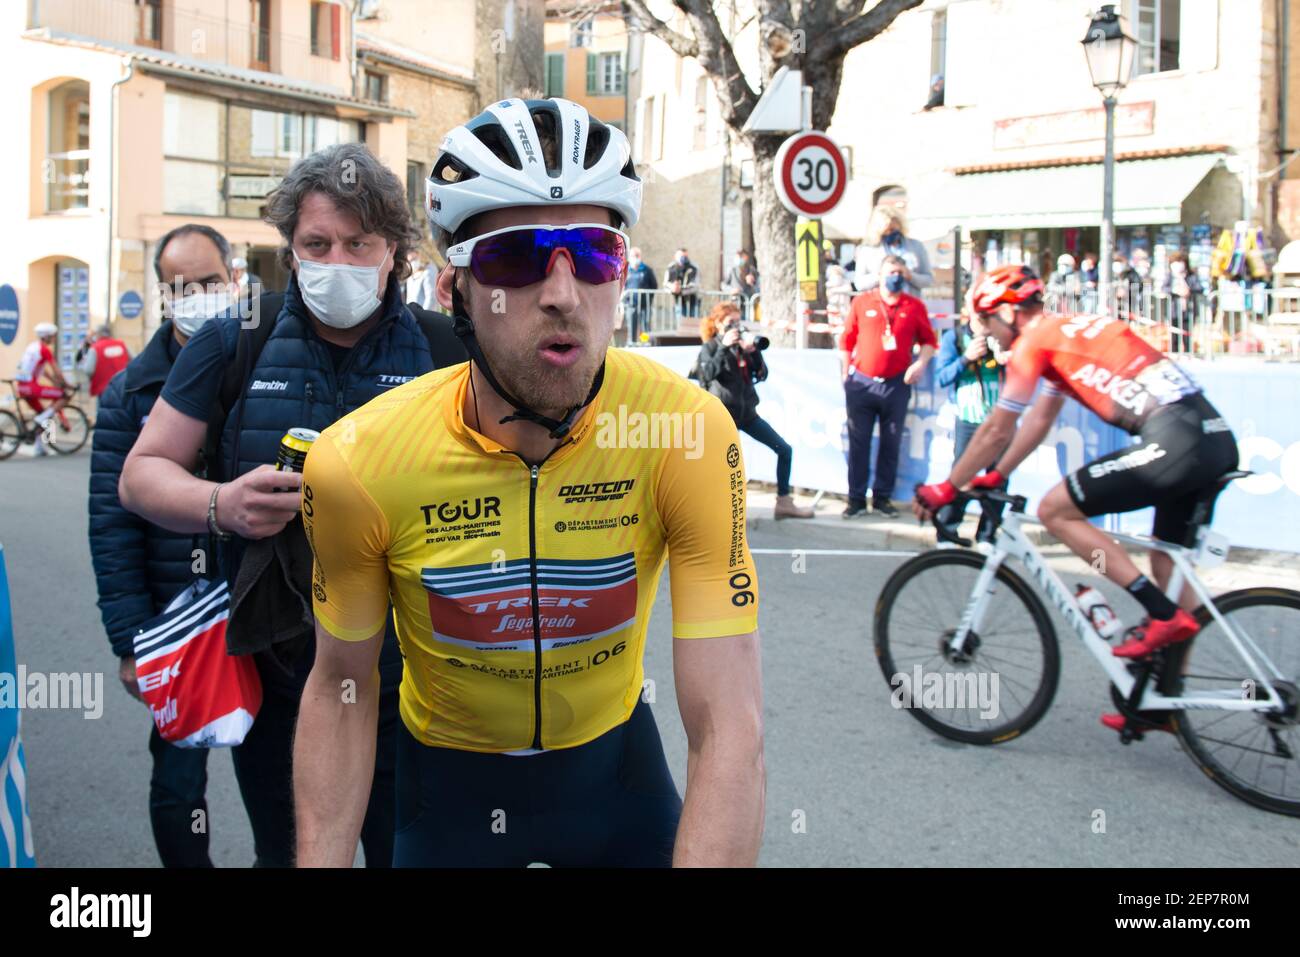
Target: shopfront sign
(1075,126)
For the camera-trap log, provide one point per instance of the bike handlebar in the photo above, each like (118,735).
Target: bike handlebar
(1017,503)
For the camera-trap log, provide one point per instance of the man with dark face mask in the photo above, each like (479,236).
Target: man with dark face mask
(342,337)
(683,278)
(884,326)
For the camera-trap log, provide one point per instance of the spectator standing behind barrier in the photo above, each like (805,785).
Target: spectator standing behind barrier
(971,364)
(1183,287)
(637,295)
(1066,283)
(742,282)
(140,567)
(683,278)
(883,328)
(1088,276)
(887,236)
(343,336)
(730,362)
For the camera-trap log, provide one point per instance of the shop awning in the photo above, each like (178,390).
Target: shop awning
(1148,192)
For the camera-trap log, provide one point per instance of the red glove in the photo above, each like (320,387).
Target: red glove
(934,497)
(990,479)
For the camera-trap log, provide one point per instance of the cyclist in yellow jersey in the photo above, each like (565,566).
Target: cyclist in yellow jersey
(516,512)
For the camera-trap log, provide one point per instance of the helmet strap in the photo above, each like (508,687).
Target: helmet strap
(463,326)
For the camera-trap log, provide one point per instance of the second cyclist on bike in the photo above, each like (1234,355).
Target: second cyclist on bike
(1183,443)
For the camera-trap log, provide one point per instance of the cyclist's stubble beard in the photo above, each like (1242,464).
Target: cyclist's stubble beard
(510,346)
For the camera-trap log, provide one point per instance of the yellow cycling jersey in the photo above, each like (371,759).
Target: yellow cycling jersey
(521,594)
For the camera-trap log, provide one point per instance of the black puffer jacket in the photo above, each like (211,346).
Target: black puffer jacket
(731,377)
(139,567)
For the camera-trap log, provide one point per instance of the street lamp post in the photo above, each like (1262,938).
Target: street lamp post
(1109,50)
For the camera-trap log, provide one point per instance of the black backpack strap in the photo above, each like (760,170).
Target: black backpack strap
(248,347)
(445,346)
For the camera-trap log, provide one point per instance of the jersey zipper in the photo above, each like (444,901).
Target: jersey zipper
(537,608)
(533,472)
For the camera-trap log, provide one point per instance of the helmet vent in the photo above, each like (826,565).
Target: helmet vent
(494,138)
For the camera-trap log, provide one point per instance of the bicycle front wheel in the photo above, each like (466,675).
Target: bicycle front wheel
(1000,683)
(11,434)
(70,430)
(1254,755)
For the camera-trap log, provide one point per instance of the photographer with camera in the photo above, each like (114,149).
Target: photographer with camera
(730,362)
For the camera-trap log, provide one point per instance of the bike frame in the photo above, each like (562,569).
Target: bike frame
(1011,542)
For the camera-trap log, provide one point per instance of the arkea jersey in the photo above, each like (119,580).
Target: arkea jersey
(34,358)
(1099,362)
(521,594)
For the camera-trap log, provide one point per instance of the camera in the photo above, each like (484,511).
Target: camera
(747,336)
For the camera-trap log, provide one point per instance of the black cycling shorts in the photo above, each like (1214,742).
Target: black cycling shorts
(608,803)
(1182,449)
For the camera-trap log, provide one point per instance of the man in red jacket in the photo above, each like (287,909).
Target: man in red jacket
(101,358)
(883,327)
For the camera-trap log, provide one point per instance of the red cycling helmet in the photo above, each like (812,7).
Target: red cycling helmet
(1013,283)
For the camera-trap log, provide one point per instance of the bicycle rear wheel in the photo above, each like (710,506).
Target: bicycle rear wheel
(70,430)
(1000,683)
(1252,755)
(11,434)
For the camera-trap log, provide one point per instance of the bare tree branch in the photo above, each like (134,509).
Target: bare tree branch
(647,22)
(858,29)
(736,97)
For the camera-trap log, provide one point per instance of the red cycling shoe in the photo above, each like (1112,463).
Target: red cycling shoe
(1116,723)
(1151,636)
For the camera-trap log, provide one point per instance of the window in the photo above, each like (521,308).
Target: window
(582,33)
(259,19)
(555,74)
(148,23)
(611,74)
(325,39)
(376,87)
(67,158)
(657,149)
(415,189)
(221,158)
(1157,24)
(938,58)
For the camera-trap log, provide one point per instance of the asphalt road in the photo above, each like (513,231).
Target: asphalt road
(851,781)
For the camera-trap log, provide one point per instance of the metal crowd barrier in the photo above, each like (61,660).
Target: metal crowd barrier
(1233,319)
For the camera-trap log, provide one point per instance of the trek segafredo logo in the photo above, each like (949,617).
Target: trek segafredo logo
(1135,459)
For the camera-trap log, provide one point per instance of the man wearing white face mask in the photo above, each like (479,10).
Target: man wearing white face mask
(342,336)
(140,567)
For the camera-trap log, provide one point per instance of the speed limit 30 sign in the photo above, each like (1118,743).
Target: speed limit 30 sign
(810,174)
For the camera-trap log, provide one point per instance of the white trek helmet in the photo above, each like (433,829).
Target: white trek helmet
(44,330)
(594,164)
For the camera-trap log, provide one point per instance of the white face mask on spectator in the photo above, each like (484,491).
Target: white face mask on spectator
(339,295)
(189,313)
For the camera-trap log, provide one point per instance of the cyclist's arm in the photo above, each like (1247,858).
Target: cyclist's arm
(700,498)
(51,369)
(1033,429)
(334,748)
(719,695)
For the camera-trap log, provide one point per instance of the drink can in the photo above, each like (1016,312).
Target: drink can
(294,448)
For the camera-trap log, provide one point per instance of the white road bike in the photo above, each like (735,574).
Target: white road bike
(952,618)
